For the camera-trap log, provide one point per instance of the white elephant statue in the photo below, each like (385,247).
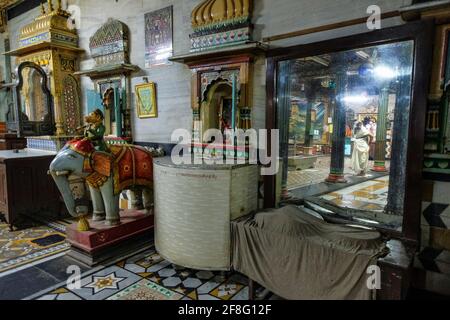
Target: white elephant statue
(126,167)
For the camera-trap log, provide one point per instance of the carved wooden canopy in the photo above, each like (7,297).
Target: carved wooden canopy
(220,23)
(110,44)
(209,13)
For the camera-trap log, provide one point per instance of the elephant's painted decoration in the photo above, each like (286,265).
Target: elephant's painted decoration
(126,167)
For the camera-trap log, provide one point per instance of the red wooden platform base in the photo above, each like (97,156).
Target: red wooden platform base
(101,241)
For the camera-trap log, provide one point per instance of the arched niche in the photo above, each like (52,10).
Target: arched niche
(216,109)
(33,113)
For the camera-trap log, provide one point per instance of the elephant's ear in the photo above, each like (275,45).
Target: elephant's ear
(102,163)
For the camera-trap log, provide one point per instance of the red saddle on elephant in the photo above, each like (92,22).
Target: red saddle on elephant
(133,166)
(129,165)
(81,146)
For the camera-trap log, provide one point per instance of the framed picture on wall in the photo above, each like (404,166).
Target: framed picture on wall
(146,100)
(158,37)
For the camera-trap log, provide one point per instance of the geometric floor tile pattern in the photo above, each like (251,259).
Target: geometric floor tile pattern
(18,248)
(369,195)
(104,283)
(147,276)
(146,290)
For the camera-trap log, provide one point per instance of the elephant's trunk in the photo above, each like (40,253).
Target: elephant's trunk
(63,185)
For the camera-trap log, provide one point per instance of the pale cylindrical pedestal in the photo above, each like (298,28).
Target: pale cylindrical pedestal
(194,205)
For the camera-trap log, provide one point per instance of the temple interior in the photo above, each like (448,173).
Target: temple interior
(230,150)
(318,86)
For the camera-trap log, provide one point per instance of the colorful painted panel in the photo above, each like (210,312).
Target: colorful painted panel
(71,104)
(158,37)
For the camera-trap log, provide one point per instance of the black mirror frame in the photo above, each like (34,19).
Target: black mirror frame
(421,32)
(40,128)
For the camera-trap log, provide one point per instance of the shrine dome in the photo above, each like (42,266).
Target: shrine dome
(110,43)
(214,12)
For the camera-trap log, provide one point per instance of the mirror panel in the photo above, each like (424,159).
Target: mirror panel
(33,114)
(343,120)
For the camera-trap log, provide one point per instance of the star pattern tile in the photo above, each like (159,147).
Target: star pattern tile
(100,283)
(147,276)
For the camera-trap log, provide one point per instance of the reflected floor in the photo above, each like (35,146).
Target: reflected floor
(369,195)
(320,170)
(307,176)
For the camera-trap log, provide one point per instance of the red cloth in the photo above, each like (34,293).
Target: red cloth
(133,165)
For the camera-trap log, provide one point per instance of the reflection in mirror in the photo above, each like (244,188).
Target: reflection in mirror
(343,120)
(33,114)
(32,98)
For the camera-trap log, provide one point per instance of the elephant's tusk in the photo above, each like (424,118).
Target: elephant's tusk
(62,173)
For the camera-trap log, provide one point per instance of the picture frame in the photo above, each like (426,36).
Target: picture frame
(146,100)
(158,37)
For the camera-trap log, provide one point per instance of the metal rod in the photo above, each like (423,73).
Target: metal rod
(327,27)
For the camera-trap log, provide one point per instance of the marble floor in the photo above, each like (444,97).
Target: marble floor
(321,170)
(300,178)
(31,243)
(41,272)
(369,195)
(147,276)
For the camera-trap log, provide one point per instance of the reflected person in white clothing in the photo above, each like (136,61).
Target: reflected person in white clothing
(360,155)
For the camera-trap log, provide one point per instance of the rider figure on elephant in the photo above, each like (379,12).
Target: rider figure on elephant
(94,130)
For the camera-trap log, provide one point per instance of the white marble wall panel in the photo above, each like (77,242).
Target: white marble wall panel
(271,17)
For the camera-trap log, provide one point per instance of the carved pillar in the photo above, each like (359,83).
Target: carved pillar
(284,99)
(8,70)
(55,88)
(338,136)
(126,98)
(311,91)
(308,136)
(380,144)
(397,171)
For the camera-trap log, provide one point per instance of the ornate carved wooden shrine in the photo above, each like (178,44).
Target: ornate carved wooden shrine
(52,44)
(111,75)
(221,60)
